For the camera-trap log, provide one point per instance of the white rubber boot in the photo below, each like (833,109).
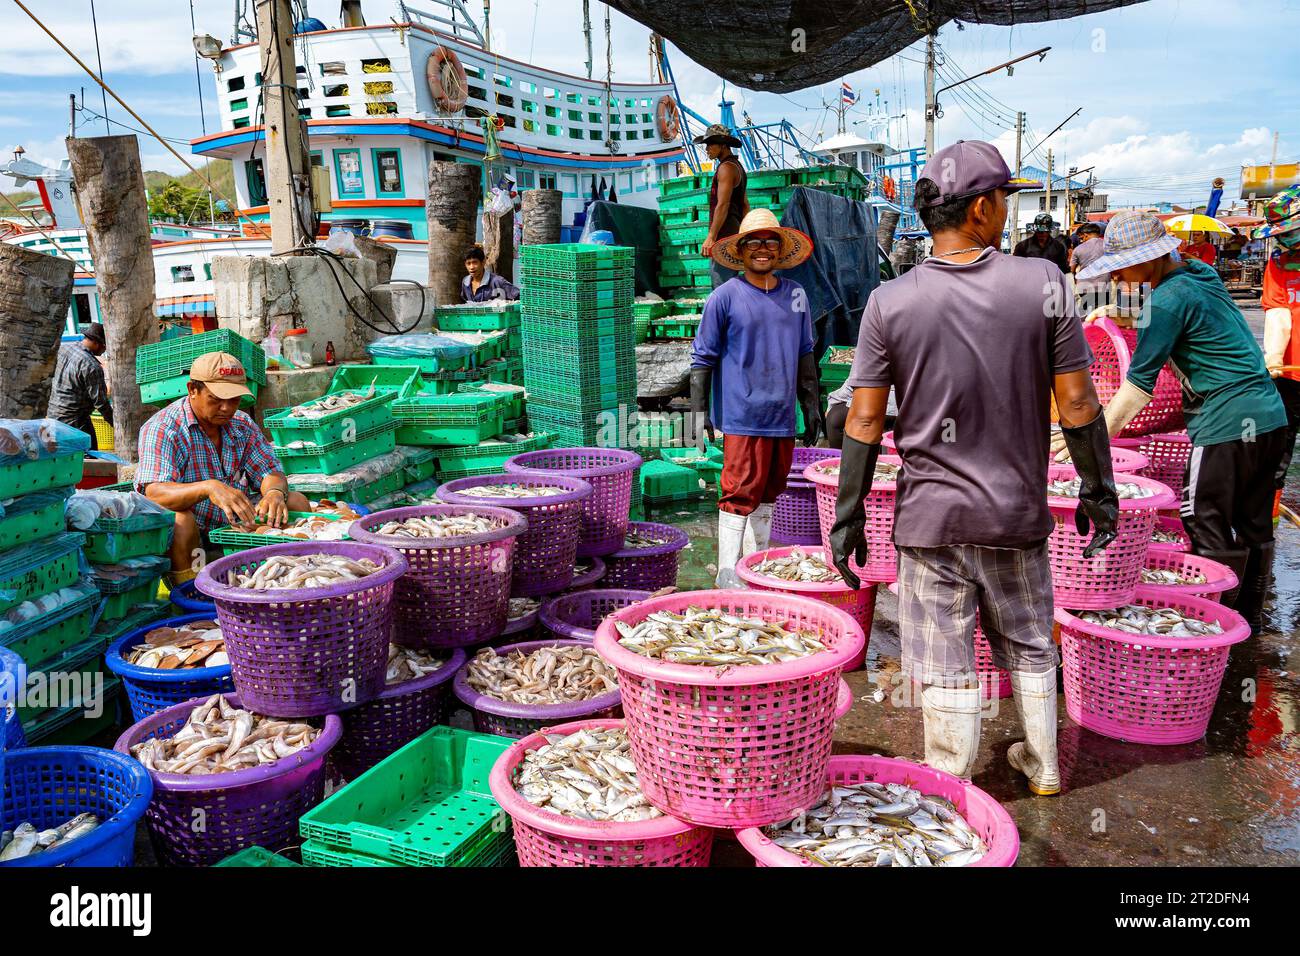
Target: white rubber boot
(952,728)
(758,530)
(731,534)
(1035,696)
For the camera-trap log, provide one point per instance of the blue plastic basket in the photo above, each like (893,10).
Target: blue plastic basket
(50,785)
(187,597)
(149,689)
(13,675)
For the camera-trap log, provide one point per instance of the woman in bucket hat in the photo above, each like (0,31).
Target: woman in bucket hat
(753,355)
(1235,418)
(1281,303)
(728,203)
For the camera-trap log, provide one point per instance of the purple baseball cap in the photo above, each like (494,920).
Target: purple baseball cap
(968,168)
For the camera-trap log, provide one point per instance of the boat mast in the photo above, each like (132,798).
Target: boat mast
(586,31)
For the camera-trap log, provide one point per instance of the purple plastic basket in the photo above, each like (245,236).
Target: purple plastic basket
(588,578)
(545,552)
(393,719)
(609,471)
(803,457)
(574,616)
(492,716)
(457,591)
(255,807)
(524,624)
(647,569)
(309,651)
(794,519)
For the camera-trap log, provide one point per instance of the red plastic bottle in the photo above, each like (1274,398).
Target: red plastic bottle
(329,353)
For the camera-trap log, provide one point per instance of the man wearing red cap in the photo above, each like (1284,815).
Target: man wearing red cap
(203,458)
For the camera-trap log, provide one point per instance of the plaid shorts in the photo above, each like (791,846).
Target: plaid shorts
(940,592)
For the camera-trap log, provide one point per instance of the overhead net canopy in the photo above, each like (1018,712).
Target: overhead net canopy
(757,44)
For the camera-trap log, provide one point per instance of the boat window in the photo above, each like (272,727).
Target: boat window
(595,134)
(376,87)
(645,102)
(629,118)
(381,109)
(575,134)
(239,105)
(550,94)
(553,112)
(614,134)
(628,104)
(593,101)
(379,64)
(509,120)
(526,87)
(338,111)
(316,159)
(182,273)
(527,178)
(339,89)
(568,184)
(235,84)
(613,118)
(333,68)
(573,98)
(530,126)
(645,117)
(625,182)
(504,100)
(348,182)
(477,93)
(553,130)
(207,270)
(547,181)
(575,116)
(528,106)
(256,182)
(240,123)
(388,172)
(632,134)
(257,79)
(594,118)
(500,80)
(474,71)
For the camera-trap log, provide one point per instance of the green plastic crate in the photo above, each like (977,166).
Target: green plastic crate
(70,726)
(257,856)
(358,419)
(675,327)
(339,455)
(427,804)
(386,485)
(681,234)
(681,184)
(420,466)
(575,302)
(106,543)
(665,481)
(538,441)
(50,565)
(512,394)
(84,658)
(401,380)
(460,419)
(567,259)
(457,319)
(769,178)
(834,374)
(71,627)
(57,471)
(659,430)
(109,631)
(674,217)
(31,519)
(233,540)
(496,852)
(167,360)
(121,604)
(167,390)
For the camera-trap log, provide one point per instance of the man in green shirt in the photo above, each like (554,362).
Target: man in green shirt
(1234,416)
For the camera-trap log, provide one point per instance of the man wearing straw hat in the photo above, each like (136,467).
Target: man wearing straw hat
(728,203)
(753,355)
(975,344)
(1235,419)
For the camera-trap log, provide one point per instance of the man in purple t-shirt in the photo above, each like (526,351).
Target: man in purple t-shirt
(974,343)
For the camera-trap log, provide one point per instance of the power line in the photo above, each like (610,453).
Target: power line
(134,129)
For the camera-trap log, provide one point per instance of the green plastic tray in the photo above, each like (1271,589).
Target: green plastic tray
(427,804)
(339,455)
(167,390)
(451,319)
(357,420)
(50,641)
(499,851)
(664,481)
(513,396)
(364,494)
(56,563)
(58,471)
(165,360)
(232,539)
(420,467)
(675,327)
(401,380)
(257,856)
(570,258)
(109,631)
(124,602)
(70,725)
(84,658)
(109,540)
(21,525)
(490,449)
(460,419)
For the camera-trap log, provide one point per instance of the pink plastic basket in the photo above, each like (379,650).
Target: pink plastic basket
(1110,577)
(986,816)
(1165,523)
(882,559)
(1112,349)
(995,682)
(1145,689)
(609,471)
(545,551)
(1135,446)
(1218,577)
(1164,413)
(457,591)
(1169,454)
(860,604)
(733,746)
(543,838)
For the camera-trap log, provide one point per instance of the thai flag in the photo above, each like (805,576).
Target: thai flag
(847,94)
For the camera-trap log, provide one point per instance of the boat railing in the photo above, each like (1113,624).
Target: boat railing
(461,23)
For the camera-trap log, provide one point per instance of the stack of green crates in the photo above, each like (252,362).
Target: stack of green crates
(487,457)
(163,368)
(684,214)
(646,311)
(833,373)
(578,336)
(336,441)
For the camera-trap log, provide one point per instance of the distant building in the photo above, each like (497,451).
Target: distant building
(1035,201)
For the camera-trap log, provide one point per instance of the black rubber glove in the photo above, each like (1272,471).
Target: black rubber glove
(848,535)
(701,386)
(1089,447)
(810,399)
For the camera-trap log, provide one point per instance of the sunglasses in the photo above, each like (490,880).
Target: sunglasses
(770,244)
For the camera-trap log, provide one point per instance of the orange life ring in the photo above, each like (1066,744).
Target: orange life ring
(447,79)
(667,118)
(890,188)
(499,122)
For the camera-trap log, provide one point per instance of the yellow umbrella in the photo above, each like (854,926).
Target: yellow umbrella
(1188,223)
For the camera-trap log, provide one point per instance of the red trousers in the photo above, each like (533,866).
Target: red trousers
(754,471)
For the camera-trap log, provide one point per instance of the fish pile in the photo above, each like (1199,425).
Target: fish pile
(548,675)
(25,840)
(880,824)
(513,490)
(841,356)
(339,508)
(884,470)
(1156,621)
(313,527)
(588,774)
(634,540)
(1170,576)
(439,526)
(284,571)
(799,565)
(1069,488)
(329,404)
(1166,536)
(405,663)
(714,638)
(219,738)
(196,644)
(521,607)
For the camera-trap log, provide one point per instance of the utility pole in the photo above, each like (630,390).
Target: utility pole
(1048,201)
(72,114)
(586,31)
(288,184)
(487,25)
(1069,210)
(1015,197)
(929,95)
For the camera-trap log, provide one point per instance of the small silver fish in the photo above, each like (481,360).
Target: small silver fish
(588,774)
(714,638)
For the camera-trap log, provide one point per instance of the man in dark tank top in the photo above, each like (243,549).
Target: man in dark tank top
(728,203)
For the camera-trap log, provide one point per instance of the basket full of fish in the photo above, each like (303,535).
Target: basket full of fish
(416,696)
(518,689)
(882,560)
(247,776)
(546,550)
(1168,536)
(461,557)
(1148,671)
(1109,577)
(576,615)
(1178,572)
(70,806)
(611,472)
(806,571)
(730,699)
(573,795)
(648,559)
(171,661)
(884,812)
(522,616)
(307,624)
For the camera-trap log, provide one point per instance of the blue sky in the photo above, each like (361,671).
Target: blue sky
(1173,92)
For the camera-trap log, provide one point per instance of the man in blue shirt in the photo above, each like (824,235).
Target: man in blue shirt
(752,357)
(481,284)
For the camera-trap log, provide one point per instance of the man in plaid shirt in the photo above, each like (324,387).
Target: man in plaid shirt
(206,460)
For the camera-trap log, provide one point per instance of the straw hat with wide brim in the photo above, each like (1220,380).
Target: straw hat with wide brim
(795,249)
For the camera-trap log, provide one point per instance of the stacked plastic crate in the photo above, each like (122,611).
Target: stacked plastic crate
(163,368)
(489,317)
(579,341)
